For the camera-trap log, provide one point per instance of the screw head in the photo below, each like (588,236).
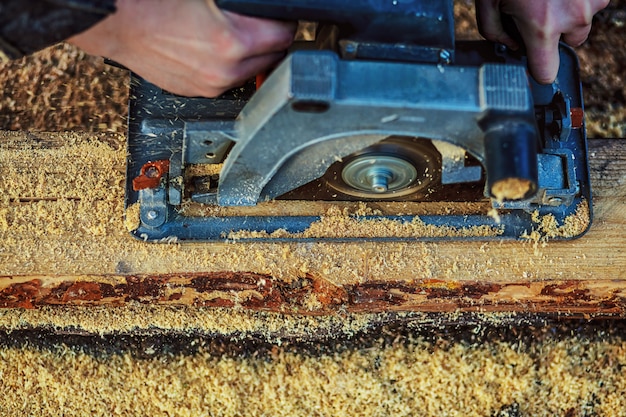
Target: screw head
(445,56)
(501,48)
(350,48)
(152,214)
(152,172)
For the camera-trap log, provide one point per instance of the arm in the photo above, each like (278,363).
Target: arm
(188,47)
(542,23)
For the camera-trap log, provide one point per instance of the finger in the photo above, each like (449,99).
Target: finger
(263,35)
(490,23)
(597,5)
(577,36)
(232,76)
(542,47)
(255,65)
(578,31)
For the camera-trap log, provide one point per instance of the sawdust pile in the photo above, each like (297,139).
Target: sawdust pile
(548,228)
(62,88)
(236,323)
(572,376)
(603,68)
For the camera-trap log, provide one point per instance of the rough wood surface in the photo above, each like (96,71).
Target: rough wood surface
(64,242)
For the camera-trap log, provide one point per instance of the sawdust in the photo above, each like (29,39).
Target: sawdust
(566,377)
(132,219)
(338,223)
(200,170)
(62,88)
(231,322)
(609,123)
(511,189)
(547,226)
(317,208)
(494,214)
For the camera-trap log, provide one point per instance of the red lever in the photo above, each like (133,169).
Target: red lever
(151,174)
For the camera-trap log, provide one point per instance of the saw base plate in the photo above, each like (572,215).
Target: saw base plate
(177,145)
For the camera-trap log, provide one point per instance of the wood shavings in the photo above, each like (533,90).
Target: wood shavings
(132,219)
(337,223)
(494,214)
(510,189)
(62,88)
(548,228)
(225,321)
(571,376)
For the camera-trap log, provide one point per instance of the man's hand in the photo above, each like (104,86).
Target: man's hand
(188,47)
(541,24)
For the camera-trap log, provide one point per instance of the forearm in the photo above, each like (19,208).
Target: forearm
(28,26)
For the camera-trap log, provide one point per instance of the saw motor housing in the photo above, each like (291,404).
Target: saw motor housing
(384,106)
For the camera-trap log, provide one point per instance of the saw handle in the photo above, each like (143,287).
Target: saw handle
(288,9)
(511,29)
(365,20)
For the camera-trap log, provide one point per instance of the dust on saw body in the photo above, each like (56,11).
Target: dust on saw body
(366,112)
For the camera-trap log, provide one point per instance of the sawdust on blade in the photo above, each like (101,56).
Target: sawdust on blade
(511,189)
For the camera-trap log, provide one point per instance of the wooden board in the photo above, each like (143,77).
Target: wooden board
(64,242)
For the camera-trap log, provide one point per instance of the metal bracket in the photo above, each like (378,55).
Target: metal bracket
(453,169)
(557,182)
(207,142)
(153,207)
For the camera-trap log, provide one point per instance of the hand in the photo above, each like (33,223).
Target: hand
(187,47)
(541,24)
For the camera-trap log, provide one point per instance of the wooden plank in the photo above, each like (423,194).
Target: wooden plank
(64,242)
